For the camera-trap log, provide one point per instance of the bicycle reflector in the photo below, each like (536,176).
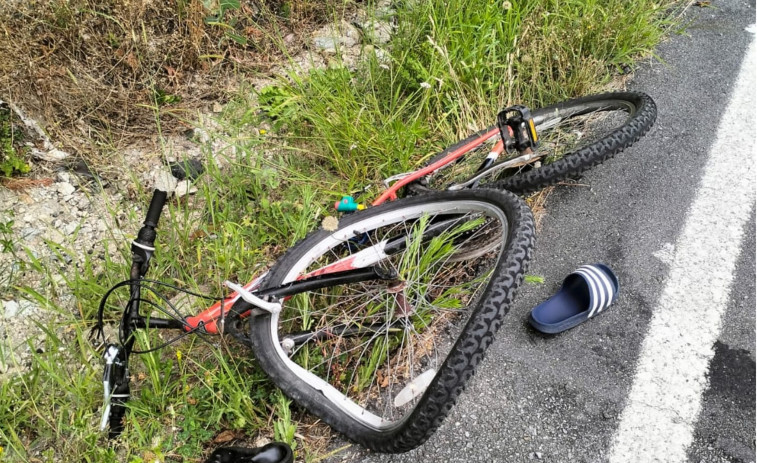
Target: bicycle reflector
(517,129)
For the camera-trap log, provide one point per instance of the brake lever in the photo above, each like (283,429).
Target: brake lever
(111,354)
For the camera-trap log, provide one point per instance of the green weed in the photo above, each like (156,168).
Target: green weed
(448,69)
(284,428)
(11,137)
(534,279)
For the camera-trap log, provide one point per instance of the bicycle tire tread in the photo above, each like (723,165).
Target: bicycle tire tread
(458,368)
(573,163)
(469,350)
(589,156)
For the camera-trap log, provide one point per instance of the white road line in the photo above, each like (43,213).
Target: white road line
(658,421)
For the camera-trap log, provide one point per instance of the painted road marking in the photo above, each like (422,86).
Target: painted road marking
(658,421)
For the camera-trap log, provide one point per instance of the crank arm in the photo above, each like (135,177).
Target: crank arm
(512,163)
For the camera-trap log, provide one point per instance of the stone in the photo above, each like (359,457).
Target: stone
(52,155)
(71,228)
(164,181)
(64,177)
(377,32)
(326,44)
(343,35)
(11,309)
(184,188)
(201,135)
(29,232)
(64,188)
(382,32)
(383,57)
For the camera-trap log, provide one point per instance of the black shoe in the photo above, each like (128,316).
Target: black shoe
(275,452)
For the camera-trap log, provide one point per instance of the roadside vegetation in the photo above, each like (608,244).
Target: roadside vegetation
(104,73)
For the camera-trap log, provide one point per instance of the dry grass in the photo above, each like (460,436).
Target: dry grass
(20,184)
(538,203)
(100,74)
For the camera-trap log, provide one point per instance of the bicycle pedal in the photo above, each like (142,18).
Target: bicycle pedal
(517,129)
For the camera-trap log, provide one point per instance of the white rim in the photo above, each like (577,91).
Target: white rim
(347,405)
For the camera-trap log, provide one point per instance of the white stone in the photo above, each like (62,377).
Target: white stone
(71,228)
(343,35)
(184,188)
(51,155)
(64,189)
(164,181)
(11,309)
(202,135)
(325,44)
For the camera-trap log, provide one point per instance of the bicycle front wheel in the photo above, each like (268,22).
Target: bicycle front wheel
(383,361)
(574,135)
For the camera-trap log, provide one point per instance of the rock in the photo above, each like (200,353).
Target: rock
(261,440)
(201,135)
(64,177)
(326,44)
(51,155)
(65,189)
(29,233)
(343,35)
(11,309)
(17,309)
(184,188)
(377,32)
(187,169)
(383,57)
(83,203)
(350,35)
(382,32)
(71,228)
(164,181)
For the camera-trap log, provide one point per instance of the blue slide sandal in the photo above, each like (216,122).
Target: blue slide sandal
(586,292)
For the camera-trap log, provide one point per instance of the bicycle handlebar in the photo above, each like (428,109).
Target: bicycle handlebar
(146,235)
(156,206)
(116,375)
(143,247)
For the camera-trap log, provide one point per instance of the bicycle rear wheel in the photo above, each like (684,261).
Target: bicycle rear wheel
(574,135)
(383,361)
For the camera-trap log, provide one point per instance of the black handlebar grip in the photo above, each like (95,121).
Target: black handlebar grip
(156,206)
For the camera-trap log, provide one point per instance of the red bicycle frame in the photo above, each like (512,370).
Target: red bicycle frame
(211,317)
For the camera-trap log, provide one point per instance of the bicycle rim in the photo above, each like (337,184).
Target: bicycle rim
(373,348)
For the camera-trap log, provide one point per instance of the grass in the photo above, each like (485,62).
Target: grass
(448,68)
(100,65)
(451,65)
(11,137)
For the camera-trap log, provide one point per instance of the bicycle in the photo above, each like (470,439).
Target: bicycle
(376,325)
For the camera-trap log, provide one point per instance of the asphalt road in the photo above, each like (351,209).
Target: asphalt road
(561,398)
